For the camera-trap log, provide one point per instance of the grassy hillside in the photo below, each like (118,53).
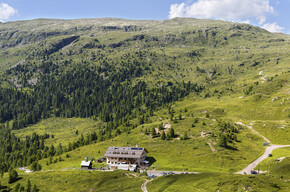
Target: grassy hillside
(214,182)
(277,168)
(193,154)
(76,180)
(64,130)
(94,83)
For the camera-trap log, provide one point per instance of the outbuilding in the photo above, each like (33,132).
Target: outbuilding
(86,164)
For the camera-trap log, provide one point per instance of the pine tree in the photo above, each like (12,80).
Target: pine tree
(51,151)
(59,149)
(163,136)
(34,188)
(223,141)
(28,186)
(207,115)
(35,166)
(185,136)
(153,132)
(171,116)
(161,127)
(13,176)
(168,136)
(171,133)
(175,120)
(17,187)
(146,131)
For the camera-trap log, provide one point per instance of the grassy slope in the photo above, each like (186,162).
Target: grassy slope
(193,154)
(76,180)
(277,168)
(171,155)
(215,182)
(63,129)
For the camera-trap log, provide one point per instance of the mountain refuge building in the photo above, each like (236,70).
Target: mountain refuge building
(126,158)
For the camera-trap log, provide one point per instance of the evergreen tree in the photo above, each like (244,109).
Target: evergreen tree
(171,133)
(153,132)
(34,188)
(35,166)
(161,127)
(185,136)
(175,120)
(28,186)
(59,149)
(223,141)
(146,131)
(17,187)
(51,151)
(163,136)
(13,176)
(168,136)
(171,116)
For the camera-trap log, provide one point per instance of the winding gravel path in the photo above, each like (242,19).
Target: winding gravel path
(268,150)
(144,185)
(251,127)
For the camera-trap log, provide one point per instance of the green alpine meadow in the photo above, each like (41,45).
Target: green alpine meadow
(143,105)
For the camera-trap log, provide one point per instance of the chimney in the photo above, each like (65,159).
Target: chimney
(86,159)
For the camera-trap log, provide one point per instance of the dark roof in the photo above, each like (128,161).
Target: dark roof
(125,152)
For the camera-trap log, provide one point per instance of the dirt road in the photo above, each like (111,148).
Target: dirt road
(251,127)
(160,173)
(268,150)
(144,185)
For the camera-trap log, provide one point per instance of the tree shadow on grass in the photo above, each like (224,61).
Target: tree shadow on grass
(17,179)
(151,160)
(3,188)
(231,148)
